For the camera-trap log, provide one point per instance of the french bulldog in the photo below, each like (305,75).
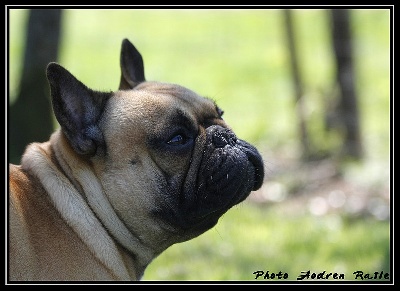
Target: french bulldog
(128,174)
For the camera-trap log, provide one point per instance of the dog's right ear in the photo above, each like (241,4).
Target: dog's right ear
(132,69)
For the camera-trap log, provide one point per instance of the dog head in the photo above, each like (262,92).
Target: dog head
(168,163)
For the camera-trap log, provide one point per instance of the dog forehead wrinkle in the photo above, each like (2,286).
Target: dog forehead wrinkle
(180,117)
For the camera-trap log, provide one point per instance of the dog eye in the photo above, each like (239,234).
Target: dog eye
(177,140)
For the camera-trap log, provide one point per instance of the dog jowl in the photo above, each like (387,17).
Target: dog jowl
(128,174)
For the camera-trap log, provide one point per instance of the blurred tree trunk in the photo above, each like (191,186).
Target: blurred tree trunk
(347,108)
(31,116)
(304,139)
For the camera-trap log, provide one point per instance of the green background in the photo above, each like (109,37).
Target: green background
(239,58)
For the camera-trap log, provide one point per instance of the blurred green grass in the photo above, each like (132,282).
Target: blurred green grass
(250,238)
(239,58)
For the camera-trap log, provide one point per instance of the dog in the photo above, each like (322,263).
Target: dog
(128,174)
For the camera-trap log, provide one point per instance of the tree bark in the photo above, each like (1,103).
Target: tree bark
(348,107)
(31,116)
(302,124)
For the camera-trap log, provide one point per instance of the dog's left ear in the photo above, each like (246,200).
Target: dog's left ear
(132,69)
(77,109)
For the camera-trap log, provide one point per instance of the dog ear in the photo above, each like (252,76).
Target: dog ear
(132,69)
(77,109)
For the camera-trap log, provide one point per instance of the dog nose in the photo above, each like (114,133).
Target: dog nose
(222,137)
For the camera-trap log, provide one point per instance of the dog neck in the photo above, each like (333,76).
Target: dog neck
(78,192)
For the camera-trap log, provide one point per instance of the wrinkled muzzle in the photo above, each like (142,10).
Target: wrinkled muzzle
(228,170)
(230,166)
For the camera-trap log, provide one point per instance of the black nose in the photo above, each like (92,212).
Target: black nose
(222,136)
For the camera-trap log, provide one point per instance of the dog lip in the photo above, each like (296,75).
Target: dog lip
(256,161)
(258,172)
